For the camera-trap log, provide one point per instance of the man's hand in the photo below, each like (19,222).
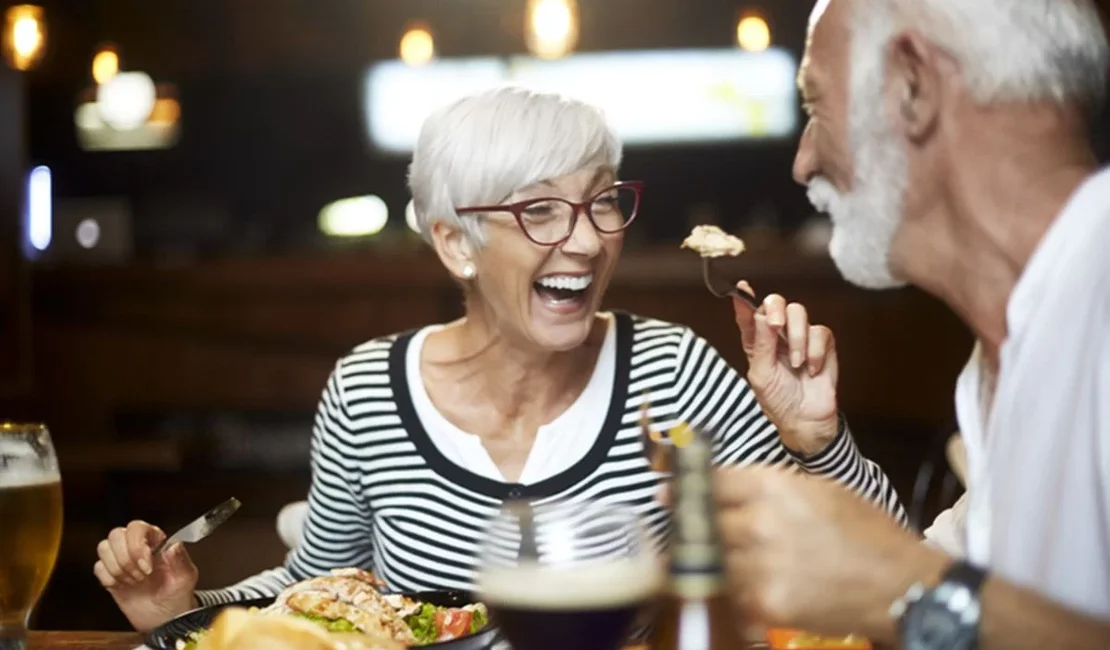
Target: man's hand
(795,382)
(803,552)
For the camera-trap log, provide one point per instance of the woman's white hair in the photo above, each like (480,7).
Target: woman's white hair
(1008,50)
(480,149)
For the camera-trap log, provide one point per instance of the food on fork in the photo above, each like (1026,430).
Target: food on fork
(711,241)
(350,601)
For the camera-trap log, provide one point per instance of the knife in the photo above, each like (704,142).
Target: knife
(202,527)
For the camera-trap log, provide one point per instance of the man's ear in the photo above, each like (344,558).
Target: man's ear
(454,249)
(913,77)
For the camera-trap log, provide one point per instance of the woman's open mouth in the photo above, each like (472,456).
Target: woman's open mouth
(564,293)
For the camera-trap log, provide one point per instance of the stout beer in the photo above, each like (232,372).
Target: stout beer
(589,607)
(695,613)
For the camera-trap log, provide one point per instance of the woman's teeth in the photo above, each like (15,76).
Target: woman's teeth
(563,289)
(566,282)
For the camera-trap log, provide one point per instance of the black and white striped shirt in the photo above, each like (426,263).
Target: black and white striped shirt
(384,498)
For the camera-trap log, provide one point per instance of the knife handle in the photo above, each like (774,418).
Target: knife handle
(164,544)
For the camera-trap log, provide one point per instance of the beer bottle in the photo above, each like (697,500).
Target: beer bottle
(695,612)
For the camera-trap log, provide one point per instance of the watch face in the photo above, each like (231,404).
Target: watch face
(930,625)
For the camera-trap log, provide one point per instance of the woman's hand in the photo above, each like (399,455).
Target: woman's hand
(795,381)
(149,590)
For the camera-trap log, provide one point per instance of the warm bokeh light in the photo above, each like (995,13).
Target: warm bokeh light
(410,217)
(552,27)
(126,100)
(417,46)
(166,111)
(753,33)
(24,36)
(358,216)
(105,65)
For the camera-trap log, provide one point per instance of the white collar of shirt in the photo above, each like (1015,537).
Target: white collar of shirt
(559,444)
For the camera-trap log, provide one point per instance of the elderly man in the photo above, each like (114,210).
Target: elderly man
(949,142)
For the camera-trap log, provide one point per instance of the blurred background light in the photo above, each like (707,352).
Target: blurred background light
(105,65)
(126,100)
(358,216)
(552,27)
(752,32)
(417,45)
(24,38)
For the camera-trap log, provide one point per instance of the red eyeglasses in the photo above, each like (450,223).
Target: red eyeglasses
(549,221)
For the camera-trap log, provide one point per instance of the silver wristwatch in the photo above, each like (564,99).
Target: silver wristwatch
(945,617)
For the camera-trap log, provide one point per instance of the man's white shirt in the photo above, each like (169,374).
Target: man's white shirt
(1037,510)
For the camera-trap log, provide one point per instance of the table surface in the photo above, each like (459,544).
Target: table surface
(83,640)
(105,641)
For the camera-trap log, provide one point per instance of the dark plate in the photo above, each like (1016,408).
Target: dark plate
(165,636)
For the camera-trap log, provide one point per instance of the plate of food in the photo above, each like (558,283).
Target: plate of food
(350,601)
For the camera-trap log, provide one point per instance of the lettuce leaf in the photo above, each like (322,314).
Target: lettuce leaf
(423,624)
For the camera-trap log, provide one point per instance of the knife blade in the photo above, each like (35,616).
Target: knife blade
(202,526)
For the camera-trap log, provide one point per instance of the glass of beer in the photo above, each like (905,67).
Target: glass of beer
(31,528)
(567,575)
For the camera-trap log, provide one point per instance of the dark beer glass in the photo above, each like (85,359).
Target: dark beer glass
(567,575)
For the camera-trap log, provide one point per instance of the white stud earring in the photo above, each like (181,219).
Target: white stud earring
(468,271)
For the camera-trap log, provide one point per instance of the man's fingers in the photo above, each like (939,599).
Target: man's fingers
(797,333)
(739,485)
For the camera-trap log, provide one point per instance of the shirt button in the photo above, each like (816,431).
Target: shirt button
(514,493)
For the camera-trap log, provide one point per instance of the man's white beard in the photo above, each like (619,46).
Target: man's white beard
(865,219)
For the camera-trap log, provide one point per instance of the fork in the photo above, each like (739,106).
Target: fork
(722,287)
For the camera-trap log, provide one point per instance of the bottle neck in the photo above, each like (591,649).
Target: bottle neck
(696,564)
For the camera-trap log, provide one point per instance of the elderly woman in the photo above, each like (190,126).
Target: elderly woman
(535,393)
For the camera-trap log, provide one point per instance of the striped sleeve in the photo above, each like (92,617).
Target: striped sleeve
(337,530)
(711,395)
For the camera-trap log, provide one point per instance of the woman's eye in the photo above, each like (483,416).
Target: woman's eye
(605,203)
(538,211)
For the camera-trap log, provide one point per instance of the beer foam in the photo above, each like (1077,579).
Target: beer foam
(24,477)
(625,581)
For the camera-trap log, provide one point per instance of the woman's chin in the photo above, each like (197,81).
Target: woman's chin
(561,327)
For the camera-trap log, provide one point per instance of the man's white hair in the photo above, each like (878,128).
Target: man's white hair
(480,149)
(1008,50)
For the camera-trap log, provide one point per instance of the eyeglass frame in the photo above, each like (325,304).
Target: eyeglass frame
(578,207)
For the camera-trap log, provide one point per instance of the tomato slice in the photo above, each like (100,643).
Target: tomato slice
(452,623)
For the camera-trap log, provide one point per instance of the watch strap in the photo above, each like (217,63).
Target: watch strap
(965,574)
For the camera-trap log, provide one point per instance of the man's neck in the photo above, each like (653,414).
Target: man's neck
(972,246)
